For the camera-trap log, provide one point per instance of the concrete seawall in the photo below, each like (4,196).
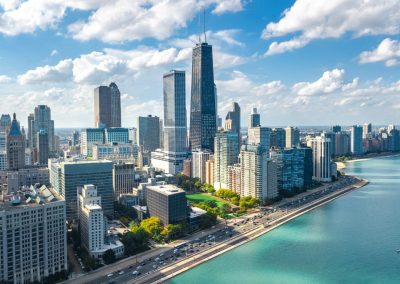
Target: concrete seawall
(186,264)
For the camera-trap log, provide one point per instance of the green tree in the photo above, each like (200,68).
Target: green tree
(224,210)
(207,220)
(109,256)
(171,231)
(235,200)
(211,203)
(153,226)
(247,202)
(135,241)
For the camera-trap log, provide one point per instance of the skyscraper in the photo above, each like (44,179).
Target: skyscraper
(226,154)
(321,147)
(356,140)
(367,129)
(42,147)
(254,118)
(203,119)
(41,120)
(174,111)
(31,117)
(148,132)
(199,159)
(15,145)
(5,122)
(232,120)
(278,138)
(260,136)
(336,128)
(292,137)
(255,175)
(107,106)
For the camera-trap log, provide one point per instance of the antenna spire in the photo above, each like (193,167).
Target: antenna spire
(204,25)
(198,28)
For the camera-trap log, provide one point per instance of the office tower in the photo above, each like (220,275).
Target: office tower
(210,171)
(290,168)
(123,178)
(253,119)
(5,122)
(278,138)
(226,154)
(42,151)
(254,169)
(116,135)
(203,117)
(66,177)
(174,152)
(114,152)
(259,136)
(336,128)
(89,137)
(367,129)
(31,117)
(3,160)
(394,140)
(307,154)
(219,122)
(107,106)
(174,111)
(168,203)
(232,121)
(342,143)
(321,147)
(92,223)
(161,134)
(148,132)
(75,138)
(15,146)
(356,140)
(34,235)
(331,136)
(41,120)
(199,159)
(115,105)
(292,137)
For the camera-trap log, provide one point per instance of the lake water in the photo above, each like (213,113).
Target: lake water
(352,239)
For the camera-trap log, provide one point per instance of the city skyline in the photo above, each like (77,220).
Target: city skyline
(257,59)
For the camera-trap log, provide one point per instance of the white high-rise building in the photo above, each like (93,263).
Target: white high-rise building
(226,154)
(292,137)
(321,149)
(89,137)
(259,178)
(92,224)
(33,235)
(199,159)
(259,136)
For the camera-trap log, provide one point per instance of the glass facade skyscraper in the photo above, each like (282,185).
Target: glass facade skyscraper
(107,106)
(203,120)
(174,111)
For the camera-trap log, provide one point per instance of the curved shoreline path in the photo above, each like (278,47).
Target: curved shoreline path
(178,268)
(351,240)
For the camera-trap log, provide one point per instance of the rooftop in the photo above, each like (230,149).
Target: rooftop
(166,189)
(28,196)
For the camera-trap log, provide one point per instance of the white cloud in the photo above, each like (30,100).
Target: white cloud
(58,73)
(330,81)
(4,79)
(388,51)
(140,19)
(53,52)
(308,20)
(224,6)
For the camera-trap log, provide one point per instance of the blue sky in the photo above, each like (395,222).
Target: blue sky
(299,62)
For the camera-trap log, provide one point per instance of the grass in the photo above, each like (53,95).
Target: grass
(199,197)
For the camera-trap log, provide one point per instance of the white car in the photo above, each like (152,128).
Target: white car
(135,272)
(121,272)
(110,275)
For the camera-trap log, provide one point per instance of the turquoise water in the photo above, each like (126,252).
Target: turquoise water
(350,240)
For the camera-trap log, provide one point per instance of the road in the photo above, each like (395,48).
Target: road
(150,266)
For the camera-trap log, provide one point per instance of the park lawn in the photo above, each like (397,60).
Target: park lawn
(199,197)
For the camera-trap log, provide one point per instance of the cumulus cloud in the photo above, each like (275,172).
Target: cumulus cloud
(109,21)
(53,52)
(308,20)
(57,73)
(115,64)
(330,82)
(388,51)
(4,79)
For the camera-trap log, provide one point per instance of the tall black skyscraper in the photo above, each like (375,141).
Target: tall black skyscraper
(203,126)
(107,106)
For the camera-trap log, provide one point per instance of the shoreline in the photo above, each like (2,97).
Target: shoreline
(342,165)
(187,264)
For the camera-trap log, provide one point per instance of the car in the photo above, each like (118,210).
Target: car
(110,275)
(154,266)
(135,273)
(176,251)
(157,259)
(121,272)
(161,254)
